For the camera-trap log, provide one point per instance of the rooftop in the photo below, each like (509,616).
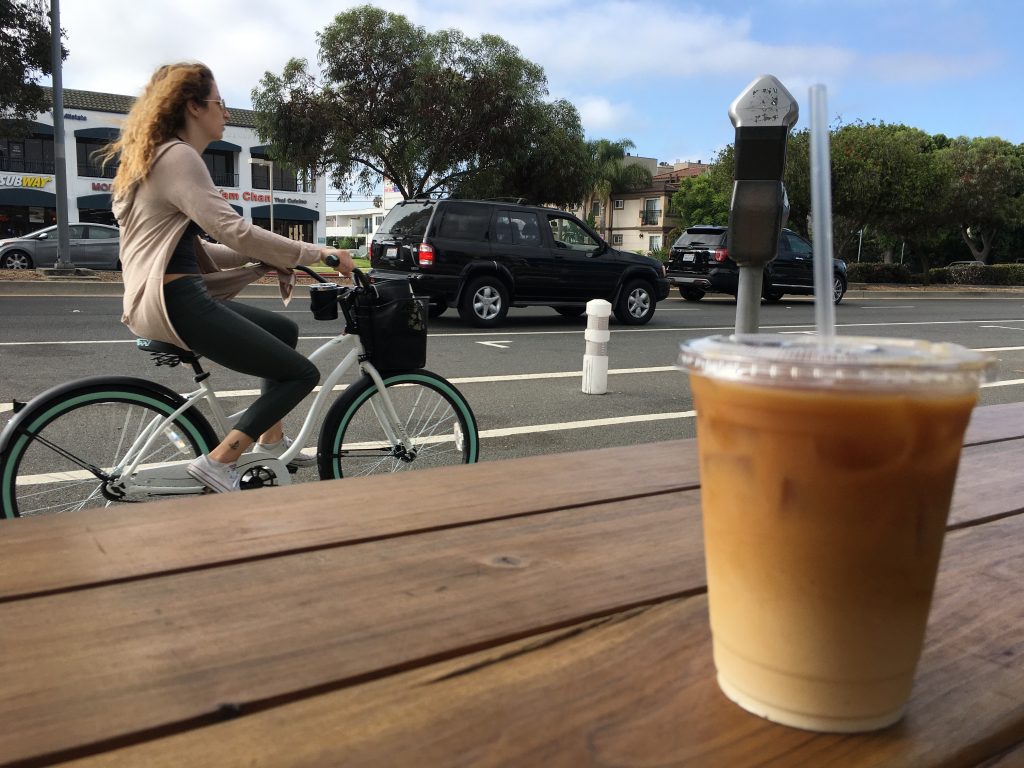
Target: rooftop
(119,104)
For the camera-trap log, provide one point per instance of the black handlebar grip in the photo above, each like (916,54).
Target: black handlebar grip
(331,260)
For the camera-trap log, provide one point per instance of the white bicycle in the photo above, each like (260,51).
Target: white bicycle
(108,439)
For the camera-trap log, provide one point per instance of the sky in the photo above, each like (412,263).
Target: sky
(661,73)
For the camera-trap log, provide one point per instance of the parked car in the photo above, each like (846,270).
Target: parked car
(969,263)
(699,263)
(96,246)
(484,257)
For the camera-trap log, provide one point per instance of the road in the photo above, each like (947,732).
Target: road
(523,380)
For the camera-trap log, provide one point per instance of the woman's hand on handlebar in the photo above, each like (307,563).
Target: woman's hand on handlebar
(339,259)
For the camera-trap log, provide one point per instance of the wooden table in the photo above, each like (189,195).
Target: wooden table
(547,611)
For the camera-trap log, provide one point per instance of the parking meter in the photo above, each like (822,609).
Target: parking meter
(762,114)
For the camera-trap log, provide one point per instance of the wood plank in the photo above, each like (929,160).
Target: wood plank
(126,541)
(97,664)
(995,422)
(638,689)
(989,483)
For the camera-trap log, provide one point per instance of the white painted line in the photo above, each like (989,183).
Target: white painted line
(1004,327)
(565,425)
(1003,383)
(896,306)
(504,344)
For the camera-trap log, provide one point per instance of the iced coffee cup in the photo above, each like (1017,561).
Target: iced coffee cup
(826,478)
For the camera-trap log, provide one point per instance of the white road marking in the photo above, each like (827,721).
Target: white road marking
(895,306)
(1004,327)
(504,344)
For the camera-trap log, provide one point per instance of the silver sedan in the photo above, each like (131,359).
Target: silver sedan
(96,246)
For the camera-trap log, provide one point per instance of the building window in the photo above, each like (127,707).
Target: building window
(654,243)
(616,239)
(221,165)
(285,179)
(620,204)
(650,216)
(90,163)
(595,209)
(31,155)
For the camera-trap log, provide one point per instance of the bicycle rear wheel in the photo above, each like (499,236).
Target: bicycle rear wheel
(355,439)
(59,447)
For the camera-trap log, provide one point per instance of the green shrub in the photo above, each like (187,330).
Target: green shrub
(979,274)
(878,273)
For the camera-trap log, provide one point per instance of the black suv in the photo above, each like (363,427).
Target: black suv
(484,256)
(699,263)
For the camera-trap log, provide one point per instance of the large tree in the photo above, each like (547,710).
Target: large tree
(705,199)
(426,110)
(25,56)
(986,177)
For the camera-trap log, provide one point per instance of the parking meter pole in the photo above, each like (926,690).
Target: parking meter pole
(595,359)
(762,114)
(59,154)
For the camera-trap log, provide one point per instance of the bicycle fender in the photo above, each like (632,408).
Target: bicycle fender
(43,399)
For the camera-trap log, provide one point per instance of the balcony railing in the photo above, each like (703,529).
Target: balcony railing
(26,166)
(97,171)
(225,179)
(650,218)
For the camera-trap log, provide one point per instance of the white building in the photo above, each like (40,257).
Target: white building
(362,223)
(28,198)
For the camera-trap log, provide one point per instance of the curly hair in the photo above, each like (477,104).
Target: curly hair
(157,115)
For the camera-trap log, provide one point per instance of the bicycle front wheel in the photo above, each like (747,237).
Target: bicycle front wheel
(357,437)
(68,450)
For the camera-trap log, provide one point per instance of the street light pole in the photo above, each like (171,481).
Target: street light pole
(267,164)
(59,152)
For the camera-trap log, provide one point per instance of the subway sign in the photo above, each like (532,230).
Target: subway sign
(26,182)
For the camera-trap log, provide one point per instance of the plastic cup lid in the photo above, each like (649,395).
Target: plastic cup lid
(850,362)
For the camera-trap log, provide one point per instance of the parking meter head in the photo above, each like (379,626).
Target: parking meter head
(765,102)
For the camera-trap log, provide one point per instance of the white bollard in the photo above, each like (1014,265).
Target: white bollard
(595,360)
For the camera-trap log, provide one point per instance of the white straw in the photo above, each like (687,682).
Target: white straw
(821,213)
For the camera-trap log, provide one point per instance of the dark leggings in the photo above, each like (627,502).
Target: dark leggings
(253,341)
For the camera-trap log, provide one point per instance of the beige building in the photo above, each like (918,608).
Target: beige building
(642,221)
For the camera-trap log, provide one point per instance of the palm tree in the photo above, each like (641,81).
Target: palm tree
(612,174)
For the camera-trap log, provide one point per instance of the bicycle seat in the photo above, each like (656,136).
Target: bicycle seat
(166,353)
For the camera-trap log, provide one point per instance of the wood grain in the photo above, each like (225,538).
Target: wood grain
(638,689)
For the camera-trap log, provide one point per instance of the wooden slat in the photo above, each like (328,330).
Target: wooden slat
(995,422)
(639,689)
(127,541)
(989,482)
(96,664)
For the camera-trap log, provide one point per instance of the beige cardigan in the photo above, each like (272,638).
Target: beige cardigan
(154,216)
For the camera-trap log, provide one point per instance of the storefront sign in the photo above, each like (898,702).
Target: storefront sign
(26,182)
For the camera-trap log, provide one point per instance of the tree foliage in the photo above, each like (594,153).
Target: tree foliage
(25,56)
(898,183)
(433,112)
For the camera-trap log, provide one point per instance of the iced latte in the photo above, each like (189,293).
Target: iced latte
(826,479)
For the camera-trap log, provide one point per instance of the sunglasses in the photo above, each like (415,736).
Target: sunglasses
(223,105)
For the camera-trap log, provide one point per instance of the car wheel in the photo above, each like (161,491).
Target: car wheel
(636,303)
(16,260)
(484,302)
(773,297)
(691,294)
(570,311)
(436,307)
(838,289)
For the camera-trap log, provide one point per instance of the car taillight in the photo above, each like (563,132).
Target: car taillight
(721,254)
(426,255)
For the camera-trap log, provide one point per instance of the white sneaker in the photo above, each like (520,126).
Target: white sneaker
(301,459)
(222,478)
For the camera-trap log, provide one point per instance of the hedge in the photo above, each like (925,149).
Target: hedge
(979,274)
(878,273)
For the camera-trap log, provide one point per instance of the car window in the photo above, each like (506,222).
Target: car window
(464,221)
(569,234)
(797,245)
(691,237)
(408,220)
(517,228)
(75,232)
(99,233)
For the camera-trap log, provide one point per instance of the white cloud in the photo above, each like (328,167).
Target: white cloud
(601,116)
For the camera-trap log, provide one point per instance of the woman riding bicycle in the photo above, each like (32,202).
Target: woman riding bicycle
(174,287)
